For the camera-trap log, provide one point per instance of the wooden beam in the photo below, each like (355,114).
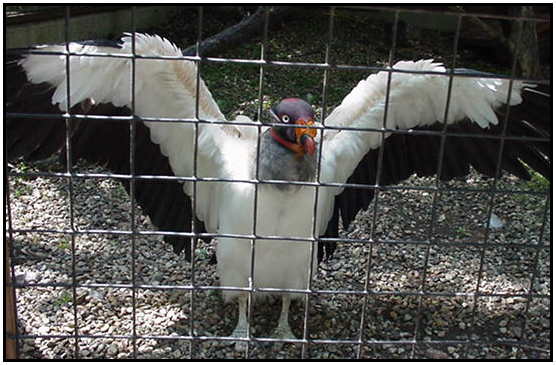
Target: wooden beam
(10,325)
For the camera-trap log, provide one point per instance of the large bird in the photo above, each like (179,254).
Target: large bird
(294,148)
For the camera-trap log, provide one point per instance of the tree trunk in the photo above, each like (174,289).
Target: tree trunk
(248,28)
(523,43)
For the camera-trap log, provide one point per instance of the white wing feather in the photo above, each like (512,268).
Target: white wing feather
(163,89)
(108,79)
(414,100)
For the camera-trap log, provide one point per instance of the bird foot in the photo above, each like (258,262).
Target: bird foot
(240,345)
(283,332)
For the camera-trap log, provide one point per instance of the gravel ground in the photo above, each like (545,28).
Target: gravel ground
(394,313)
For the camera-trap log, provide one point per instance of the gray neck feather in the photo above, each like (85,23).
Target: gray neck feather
(276,162)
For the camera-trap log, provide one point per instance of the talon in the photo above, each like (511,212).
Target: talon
(282,332)
(240,345)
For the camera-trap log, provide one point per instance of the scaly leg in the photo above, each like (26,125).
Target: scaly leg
(241,328)
(283,330)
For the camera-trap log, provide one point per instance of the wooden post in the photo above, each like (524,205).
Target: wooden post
(10,329)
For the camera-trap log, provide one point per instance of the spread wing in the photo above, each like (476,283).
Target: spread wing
(103,86)
(416,104)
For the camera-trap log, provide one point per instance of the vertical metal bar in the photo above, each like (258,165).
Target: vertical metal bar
(69,168)
(256,191)
(377,190)
(261,73)
(386,107)
(438,189)
(315,232)
(492,188)
(535,270)
(194,182)
(132,131)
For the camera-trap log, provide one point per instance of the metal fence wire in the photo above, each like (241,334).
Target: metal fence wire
(413,317)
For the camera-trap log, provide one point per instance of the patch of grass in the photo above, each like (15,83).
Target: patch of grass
(201,253)
(63,244)
(22,167)
(21,188)
(537,182)
(64,298)
(461,231)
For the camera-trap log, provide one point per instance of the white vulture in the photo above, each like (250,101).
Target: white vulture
(37,83)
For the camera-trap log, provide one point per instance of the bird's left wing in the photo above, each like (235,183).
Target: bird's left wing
(418,102)
(101,85)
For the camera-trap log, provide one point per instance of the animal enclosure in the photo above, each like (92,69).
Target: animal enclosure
(431,269)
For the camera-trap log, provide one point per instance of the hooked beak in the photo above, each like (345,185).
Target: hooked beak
(305,136)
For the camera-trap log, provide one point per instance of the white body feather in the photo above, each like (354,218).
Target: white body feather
(278,263)
(166,88)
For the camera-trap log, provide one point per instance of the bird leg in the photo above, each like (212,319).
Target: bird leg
(241,327)
(283,330)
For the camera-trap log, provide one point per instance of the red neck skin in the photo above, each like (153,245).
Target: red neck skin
(294,147)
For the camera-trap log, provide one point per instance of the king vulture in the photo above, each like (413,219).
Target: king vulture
(293,148)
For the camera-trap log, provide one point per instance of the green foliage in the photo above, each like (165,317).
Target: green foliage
(461,231)
(64,298)
(21,189)
(63,244)
(537,182)
(201,253)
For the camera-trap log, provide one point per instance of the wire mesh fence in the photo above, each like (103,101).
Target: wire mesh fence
(404,284)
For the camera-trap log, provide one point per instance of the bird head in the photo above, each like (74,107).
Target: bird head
(293,111)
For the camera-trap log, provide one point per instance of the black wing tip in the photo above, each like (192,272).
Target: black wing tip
(177,244)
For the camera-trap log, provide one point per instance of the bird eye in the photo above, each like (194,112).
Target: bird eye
(285,118)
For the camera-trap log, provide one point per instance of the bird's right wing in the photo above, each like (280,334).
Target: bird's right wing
(164,88)
(159,84)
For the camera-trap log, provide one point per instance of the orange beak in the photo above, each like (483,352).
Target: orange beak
(299,132)
(305,136)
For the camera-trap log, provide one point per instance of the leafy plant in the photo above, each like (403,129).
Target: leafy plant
(537,182)
(64,298)
(63,244)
